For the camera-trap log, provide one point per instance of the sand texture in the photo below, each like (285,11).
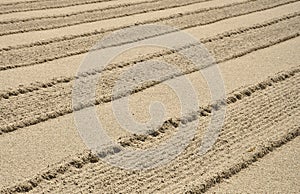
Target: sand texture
(254,43)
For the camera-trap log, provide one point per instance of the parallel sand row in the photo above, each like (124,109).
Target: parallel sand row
(52,102)
(15,1)
(92,28)
(105,10)
(57,11)
(251,53)
(41,5)
(58,21)
(88,28)
(67,67)
(60,134)
(243,139)
(70,47)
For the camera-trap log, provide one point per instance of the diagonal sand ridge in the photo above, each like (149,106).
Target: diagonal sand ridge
(234,144)
(255,44)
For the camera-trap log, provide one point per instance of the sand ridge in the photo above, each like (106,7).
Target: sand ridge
(280,86)
(66,67)
(91,15)
(266,170)
(252,68)
(63,95)
(42,5)
(181,22)
(42,151)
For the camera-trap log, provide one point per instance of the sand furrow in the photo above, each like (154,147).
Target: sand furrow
(56,50)
(267,112)
(108,29)
(95,11)
(149,140)
(258,122)
(38,86)
(97,32)
(150,179)
(126,179)
(42,5)
(242,131)
(155,136)
(177,20)
(153,141)
(257,178)
(117,11)
(85,28)
(54,81)
(67,67)
(24,16)
(19,112)
(61,135)
(15,2)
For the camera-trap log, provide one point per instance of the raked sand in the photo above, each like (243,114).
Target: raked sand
(255,45)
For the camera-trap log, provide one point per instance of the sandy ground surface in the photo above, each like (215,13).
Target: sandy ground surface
(255,45)
(268,174)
